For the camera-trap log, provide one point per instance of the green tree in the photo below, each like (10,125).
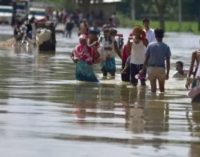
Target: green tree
(197,12)
(161,6)
(154,9)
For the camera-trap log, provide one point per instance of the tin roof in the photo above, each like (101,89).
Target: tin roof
(111,1)
(104,1)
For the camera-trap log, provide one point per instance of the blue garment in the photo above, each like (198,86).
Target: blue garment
(84,72)
(134,70)
(157,52)
(29,34)
(109,66)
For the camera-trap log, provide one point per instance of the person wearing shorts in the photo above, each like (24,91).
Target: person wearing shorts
(157,62)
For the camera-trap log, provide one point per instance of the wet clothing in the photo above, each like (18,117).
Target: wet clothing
(29,30)
(84,72)
(156,73)
(137,58)
(109,66)
(157,52)
(134,71)
(125,54)
(138,53)
(84,56)
(84,53)
(107,54)
(178,75)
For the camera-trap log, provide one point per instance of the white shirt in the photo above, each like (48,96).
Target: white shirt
(178,75)
(150,35)
(106,44)
(138,53)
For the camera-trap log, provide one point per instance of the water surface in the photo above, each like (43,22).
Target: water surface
(44,111)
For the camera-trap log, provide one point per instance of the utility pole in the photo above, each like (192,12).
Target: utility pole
(180,13)
(198,14)
(133,9)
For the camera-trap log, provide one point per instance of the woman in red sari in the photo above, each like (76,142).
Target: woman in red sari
(84,56)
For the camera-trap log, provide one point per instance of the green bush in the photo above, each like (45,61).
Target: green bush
(170,26)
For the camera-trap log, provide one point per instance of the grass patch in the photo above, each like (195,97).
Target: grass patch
(170,26)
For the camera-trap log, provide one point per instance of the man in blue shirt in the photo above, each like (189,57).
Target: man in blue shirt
(157,61)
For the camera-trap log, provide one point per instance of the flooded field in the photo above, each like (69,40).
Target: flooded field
(44,111)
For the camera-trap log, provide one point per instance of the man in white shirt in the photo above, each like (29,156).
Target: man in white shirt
(150,35)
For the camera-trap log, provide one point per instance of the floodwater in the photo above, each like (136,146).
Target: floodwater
(44,111)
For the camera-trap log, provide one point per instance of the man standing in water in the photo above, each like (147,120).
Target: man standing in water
(150,35)
(156,55)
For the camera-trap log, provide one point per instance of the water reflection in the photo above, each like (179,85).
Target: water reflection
(195,120)
(194,123)
(84,99)
(133,100)
(157,113)
(148,117)
(157,118)
(108,95)
(136,118)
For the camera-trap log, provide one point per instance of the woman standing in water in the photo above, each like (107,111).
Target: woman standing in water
(84,56)
(108,48)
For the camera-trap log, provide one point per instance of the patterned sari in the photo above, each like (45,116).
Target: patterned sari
(85,58)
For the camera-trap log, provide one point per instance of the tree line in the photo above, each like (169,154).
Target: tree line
(162,10)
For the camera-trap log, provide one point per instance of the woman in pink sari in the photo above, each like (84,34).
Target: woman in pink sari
(84,56)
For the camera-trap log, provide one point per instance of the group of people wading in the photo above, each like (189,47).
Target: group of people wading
(144,52)
(92,49)
(25,31)
(28,36)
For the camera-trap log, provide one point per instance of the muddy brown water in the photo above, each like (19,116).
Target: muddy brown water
(44,111)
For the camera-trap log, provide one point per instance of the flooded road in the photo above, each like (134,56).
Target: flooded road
(44,111)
